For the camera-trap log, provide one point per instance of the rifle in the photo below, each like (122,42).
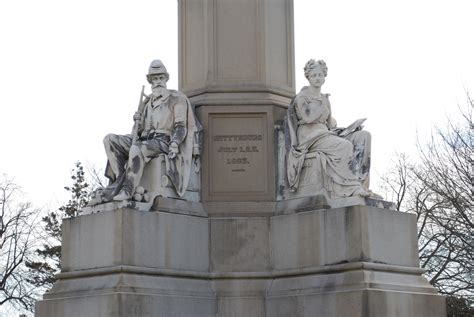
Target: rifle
(136,124)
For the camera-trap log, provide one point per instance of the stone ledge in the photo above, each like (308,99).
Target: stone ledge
(171,205)
(329,269)
(116,205)
(241,208)
(361,201)
(294,205)
(178,206)
(250,98)
(129,283)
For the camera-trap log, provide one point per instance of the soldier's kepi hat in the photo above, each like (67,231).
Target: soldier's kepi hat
(156,67)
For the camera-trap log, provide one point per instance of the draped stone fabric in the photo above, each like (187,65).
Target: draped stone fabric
(172,120)
(310,135)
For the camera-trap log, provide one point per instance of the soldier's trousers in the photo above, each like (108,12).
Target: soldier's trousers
(125,157)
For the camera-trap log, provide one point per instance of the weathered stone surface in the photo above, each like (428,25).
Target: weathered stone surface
(157,183)
(240,208)
(234,46)
(240,297)
(365,201)
(344,235)
(129,237)
(238,153)
(128,295)
(240,244)
(357,303)
(290,206)
(114,205)
(184,207)
(351,261)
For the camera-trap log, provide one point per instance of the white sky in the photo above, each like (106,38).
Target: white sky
(71,72)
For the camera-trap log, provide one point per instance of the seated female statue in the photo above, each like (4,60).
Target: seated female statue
(319,156)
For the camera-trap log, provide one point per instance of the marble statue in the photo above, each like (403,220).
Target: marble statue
(337,159)
(165,124)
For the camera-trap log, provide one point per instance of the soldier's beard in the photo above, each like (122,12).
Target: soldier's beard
(159,91)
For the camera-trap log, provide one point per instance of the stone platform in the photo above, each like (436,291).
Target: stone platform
(349,261)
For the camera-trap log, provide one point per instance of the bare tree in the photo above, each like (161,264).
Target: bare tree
(437,186)
(30,246)
(17,245)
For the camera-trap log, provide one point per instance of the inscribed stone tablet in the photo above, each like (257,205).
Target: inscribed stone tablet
(238,154)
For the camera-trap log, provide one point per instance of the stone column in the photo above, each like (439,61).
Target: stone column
(237,67)
(236,46)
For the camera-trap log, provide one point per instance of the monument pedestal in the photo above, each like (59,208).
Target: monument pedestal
(351,261)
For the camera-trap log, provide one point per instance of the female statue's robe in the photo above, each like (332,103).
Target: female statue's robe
(341,165)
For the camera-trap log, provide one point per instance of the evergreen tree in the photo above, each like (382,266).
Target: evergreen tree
(49,262)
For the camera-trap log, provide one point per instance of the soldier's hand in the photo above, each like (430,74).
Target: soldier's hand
(337,130)
(137,116)
(173,150)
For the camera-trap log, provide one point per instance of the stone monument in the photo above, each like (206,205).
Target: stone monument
(322,158)
(279,222)
(165,139)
